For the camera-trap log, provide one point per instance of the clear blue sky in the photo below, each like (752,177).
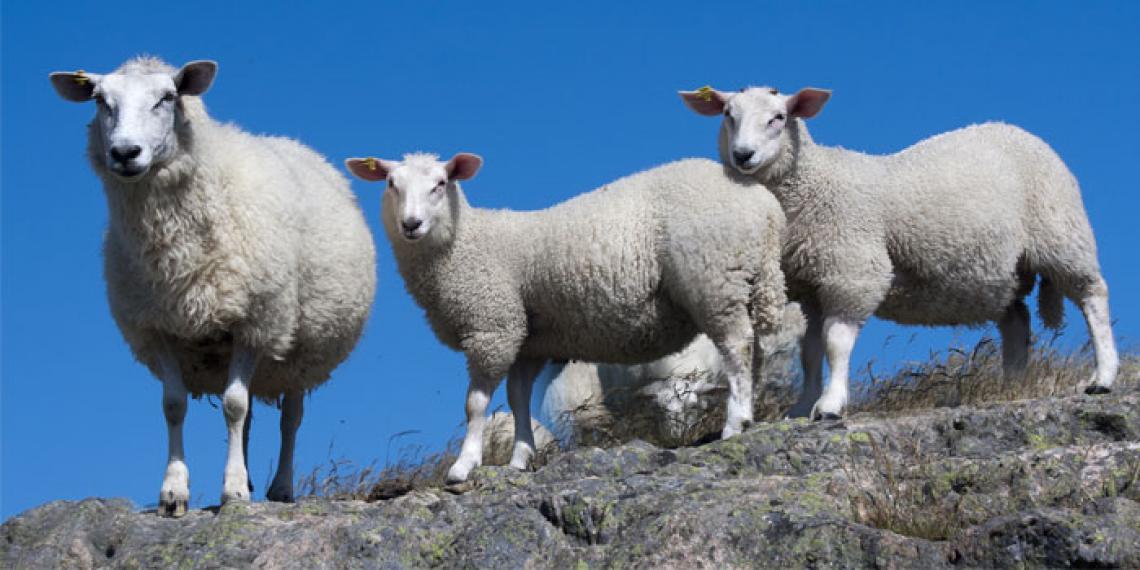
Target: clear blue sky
(558,99)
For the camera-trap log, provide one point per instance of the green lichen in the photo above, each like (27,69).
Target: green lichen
(435,551)
(1037,441)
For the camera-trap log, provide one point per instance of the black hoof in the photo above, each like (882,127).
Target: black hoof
(827,417)
(1096,389)
(172,509)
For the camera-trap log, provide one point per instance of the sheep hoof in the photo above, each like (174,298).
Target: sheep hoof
(458,472)
(1097,389)
(241,495)
(174,509)
(280,497)
(827,416)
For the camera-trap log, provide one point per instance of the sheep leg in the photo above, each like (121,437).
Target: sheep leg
(471,452)
(1014,329)
(292,409)
(839,337)
(520,380)
(235,407)
(245,442)
(1094,305)
(737,355)
(811,359)
(174,497)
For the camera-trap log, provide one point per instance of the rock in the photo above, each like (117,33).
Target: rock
(1037,483)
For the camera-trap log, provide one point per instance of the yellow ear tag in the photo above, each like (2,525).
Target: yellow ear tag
(371,163)
(705,93)
(80,78)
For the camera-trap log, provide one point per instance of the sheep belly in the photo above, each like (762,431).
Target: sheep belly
(623,334)
(946,302)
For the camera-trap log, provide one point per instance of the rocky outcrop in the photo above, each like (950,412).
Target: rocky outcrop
(1042,483)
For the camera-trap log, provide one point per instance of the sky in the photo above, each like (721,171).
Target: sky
(558,99)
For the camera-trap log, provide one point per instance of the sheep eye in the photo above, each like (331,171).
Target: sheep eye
(439,187)
(165,99)
(778,117)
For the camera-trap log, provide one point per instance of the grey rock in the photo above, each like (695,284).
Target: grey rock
(1031,484)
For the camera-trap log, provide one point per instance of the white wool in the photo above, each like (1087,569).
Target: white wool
(954,230)
(235,264)
(628,273)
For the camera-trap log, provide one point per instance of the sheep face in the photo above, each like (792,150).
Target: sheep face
(137,113)
(753,128)
(420,198)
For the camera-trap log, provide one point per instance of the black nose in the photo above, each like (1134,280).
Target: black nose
(123,153)
(411,224)
(741,156)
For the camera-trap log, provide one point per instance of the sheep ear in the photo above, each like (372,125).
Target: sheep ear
(195,77)
(463,166)
(76,86)
(705,101)
(808,102)
(370,169)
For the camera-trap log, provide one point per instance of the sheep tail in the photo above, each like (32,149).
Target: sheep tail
(1050,304)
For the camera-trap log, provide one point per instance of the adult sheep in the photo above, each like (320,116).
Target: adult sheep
(954,230)
(236,264)
(628,273)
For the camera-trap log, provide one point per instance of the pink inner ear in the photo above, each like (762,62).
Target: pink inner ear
(707,102)
(808,102)
(463,166)
(371,169)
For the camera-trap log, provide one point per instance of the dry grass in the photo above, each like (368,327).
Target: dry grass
(899,502)
(413,470)
(972,376)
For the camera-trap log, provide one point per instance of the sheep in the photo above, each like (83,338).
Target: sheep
(625,274)
(954,230)
(237,265)
(671,401)
(498,438)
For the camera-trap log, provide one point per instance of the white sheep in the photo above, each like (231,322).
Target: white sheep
(627,273)
(954,230)
(236,265)
(673,395)
(499,438)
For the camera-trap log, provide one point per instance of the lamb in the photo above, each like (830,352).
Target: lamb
(672,401)
(954,230)
(237,265)
(628,273)
(499,434)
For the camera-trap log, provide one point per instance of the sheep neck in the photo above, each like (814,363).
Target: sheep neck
(785,176)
